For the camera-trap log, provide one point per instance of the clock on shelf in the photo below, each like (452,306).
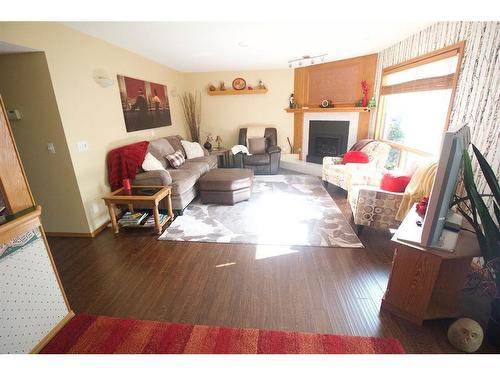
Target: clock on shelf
(239,84)
(325,103)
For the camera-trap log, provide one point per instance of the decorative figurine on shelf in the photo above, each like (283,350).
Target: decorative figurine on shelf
(222,86)
(219,141)
(208,142)
(364,88)
(372,103)
(249,88)
(291,102)
(261,85)
(211,88)
(359,103)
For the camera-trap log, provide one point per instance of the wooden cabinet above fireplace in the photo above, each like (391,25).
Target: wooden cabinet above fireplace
(338,81)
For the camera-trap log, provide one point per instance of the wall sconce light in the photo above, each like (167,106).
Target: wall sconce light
(299,61)
(102,78)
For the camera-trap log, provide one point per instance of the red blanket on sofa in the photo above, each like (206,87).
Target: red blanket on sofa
(124,161)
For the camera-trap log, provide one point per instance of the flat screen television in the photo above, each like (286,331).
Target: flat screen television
(438,213)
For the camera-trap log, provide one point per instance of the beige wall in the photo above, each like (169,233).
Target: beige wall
(25,85)
(89,112)
(224,115)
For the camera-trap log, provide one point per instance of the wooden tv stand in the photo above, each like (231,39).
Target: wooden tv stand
(425,283)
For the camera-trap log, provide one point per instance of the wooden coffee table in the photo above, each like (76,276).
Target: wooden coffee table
(145,195)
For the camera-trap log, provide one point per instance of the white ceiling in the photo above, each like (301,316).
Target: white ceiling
(205,46)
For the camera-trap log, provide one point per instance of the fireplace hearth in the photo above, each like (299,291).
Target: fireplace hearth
(327,138)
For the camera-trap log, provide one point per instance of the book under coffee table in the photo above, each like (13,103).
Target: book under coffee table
(143,196)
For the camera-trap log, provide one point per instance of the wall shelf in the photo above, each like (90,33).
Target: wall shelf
(236,92)
(332,109)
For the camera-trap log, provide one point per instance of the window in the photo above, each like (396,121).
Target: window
(415,100)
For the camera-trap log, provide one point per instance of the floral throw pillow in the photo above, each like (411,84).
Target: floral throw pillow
(176,159)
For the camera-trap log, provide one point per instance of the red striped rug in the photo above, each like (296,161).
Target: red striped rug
(101,334)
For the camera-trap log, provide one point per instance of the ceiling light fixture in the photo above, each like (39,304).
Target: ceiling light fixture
(306,58)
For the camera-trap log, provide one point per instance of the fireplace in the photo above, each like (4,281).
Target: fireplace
(327,138)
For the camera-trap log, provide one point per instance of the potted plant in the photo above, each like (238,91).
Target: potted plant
(475,210)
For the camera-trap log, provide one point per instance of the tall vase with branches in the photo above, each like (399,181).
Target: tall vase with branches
(475,210)
(191,105)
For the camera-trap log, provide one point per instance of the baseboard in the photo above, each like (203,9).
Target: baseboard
(52,333)
(68,234)
(78,234)
(100,229)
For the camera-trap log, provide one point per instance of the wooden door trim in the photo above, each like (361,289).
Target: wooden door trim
(457,48)
(427,58)
(7,197)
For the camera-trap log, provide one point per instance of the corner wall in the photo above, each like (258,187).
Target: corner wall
(89,112)
(25,85)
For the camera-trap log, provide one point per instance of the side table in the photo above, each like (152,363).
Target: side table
(144,195)
(426,283)
(223,155)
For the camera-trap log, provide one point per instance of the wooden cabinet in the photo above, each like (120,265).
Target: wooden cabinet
(425,283)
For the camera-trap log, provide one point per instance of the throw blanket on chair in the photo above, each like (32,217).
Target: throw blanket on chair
(239,148)
(419,187)
(124,161)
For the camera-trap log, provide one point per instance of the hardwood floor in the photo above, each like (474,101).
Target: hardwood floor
(312,289)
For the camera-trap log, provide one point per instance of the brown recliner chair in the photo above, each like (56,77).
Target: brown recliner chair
(268,163)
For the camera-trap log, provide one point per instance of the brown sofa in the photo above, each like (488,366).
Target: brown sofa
(184,179)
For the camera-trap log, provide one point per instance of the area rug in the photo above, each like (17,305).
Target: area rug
(87,334)
(282,210)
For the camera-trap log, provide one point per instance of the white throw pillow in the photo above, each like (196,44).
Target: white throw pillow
(192,149)
(151,163)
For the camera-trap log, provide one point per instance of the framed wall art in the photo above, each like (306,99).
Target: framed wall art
(145,104)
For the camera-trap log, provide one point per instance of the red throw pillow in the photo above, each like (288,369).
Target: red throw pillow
(355,157)
(396,184)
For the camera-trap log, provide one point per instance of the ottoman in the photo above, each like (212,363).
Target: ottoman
(226,185)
